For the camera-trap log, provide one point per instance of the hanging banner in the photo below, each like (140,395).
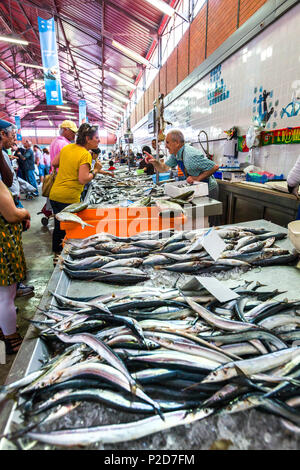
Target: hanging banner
(18,124)
(289,135)
(82,112)
(50,61)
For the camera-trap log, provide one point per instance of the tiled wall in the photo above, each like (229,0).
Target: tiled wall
(271,61)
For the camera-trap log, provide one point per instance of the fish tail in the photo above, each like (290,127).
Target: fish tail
(159,412)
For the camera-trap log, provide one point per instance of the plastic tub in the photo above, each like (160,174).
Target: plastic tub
(199,188)
(140,172)
(121,222)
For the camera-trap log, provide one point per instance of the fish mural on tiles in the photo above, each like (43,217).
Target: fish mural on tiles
(263,108)
(292,109)
(217,89)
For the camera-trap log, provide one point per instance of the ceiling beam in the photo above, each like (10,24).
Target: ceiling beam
(15,75)
(144,24)
(68,47)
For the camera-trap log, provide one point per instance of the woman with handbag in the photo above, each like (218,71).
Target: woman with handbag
(74,171)
(12,266)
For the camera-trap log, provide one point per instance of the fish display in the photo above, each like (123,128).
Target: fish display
(180,253)
(162,357)
(108,191)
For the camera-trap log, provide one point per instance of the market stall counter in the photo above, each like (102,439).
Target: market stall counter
(246,201)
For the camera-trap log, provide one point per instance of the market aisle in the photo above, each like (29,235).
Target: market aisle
(37,248)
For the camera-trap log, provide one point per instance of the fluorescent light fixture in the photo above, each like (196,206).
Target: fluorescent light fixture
(51,123)
(110,116)
(42,117)
(28,106)
(109,103)
(39,80)
(133,55)
(111,126)
(38,86)
(162,6)
(63,107)
(122,80)
(6,89)
(14,40)
(112,112)
(6,66)
(111,123)
(34,112)
(117,96)
(31,65)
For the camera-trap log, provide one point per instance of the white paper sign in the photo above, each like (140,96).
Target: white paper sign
(213,286)
(213,244)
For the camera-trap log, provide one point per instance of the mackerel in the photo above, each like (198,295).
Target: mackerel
(101,349)
(215,320)
(249,367)
(115,433)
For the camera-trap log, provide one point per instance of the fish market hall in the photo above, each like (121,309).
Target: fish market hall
(149,226)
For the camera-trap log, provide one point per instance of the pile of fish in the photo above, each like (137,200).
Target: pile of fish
(121,260)
(168,356)
(109,191)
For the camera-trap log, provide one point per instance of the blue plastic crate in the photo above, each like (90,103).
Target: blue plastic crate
(262,178)
(162,177)
(256,178)
(278,177)
(218,175)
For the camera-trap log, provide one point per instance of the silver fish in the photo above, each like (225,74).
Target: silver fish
(68,217)
(249,367)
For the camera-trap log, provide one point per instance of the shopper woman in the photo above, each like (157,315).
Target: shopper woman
(12,266)
(74,171)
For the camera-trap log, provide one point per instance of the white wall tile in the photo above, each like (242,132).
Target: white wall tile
(272,61)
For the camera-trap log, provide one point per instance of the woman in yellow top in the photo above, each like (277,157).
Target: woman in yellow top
(74,171)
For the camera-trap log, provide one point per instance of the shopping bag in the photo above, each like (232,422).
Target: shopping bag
(48,183)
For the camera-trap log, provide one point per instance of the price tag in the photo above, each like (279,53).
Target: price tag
(213,286)
(213,244)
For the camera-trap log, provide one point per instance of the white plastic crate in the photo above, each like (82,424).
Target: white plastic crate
(181,187)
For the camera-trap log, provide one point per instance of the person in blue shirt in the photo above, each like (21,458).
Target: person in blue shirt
(28,157)
(191,164)
(189,160)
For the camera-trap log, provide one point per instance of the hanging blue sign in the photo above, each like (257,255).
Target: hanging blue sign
(50,61)
(18,124)
(82,112)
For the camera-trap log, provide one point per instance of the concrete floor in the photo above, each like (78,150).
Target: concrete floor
(38,254)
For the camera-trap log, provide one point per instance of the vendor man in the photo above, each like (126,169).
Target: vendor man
(192,163)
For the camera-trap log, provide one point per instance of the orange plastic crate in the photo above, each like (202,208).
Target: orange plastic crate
(121,222)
